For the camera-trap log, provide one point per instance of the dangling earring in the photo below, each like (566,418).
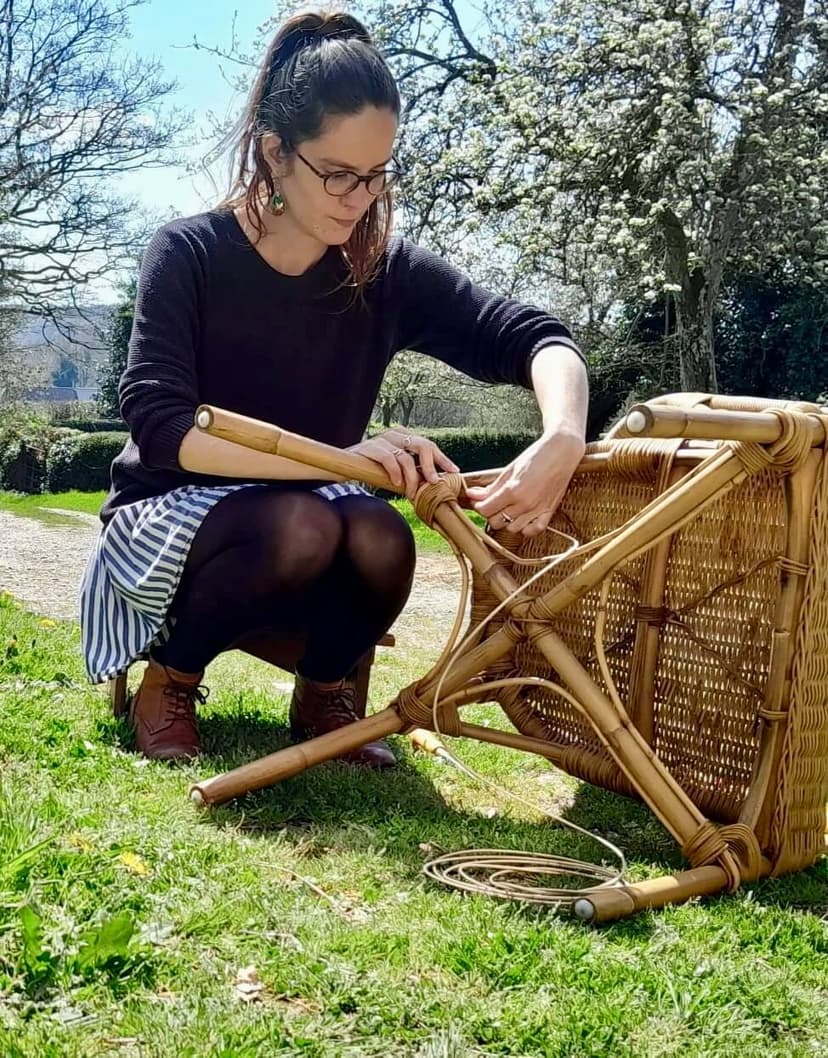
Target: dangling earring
(277,204)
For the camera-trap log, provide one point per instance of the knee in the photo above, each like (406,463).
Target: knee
(310,533)
(379,540)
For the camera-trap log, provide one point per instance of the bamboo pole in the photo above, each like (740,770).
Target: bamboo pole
(614,902)
(643,420)
(285,763)
(799,494)
(644,661)
(265,437)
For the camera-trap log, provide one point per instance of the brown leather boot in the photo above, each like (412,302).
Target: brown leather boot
(163,712)
(316,709)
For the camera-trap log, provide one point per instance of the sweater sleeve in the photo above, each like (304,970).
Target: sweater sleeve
(441,312)
(158,391)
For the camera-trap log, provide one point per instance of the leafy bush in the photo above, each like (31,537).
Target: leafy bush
(63,412)
(25,439)
(82,461)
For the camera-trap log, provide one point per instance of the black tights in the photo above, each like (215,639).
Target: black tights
(290,562)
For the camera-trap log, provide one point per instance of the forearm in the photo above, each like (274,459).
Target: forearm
(201,453)
(559,379)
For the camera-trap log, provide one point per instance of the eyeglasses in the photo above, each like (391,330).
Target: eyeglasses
(343,183)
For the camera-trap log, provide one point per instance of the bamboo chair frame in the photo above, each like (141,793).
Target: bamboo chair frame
(686,489)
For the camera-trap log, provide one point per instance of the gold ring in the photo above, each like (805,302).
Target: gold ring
(507,518)
(397,451)
(407,440)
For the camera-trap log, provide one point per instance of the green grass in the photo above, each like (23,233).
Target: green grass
(126,914)
(36,506)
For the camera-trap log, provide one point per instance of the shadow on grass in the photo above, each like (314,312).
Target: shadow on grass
(402,812)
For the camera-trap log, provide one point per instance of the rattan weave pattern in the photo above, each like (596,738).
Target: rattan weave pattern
(723,573)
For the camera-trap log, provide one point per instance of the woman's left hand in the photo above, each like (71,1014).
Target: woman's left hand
(408,458)
(526,493)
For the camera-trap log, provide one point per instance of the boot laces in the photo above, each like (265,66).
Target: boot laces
(180,700)
(341,705)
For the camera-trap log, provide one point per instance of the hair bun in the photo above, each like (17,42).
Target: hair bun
(304,31)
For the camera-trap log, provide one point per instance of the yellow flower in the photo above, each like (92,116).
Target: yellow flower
(79,841)
(134,864)
(47,622)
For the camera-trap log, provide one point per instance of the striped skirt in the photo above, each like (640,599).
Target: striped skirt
(134,571)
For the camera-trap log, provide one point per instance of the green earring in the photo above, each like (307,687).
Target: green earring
(277,204)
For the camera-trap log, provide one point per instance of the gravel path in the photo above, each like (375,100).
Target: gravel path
(42,564)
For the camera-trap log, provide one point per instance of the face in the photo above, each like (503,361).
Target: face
(359,143)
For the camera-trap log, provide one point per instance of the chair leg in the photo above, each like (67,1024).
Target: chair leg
(118,695)
(362,679)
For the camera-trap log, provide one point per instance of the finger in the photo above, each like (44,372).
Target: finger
(443,461)
(508,520)
(408,467)
(537,526)
(427,468)
(499,500)
(391,466)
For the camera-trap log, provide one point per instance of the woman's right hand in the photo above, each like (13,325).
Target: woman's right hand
(408,459)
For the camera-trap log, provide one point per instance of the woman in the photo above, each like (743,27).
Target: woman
(286,304)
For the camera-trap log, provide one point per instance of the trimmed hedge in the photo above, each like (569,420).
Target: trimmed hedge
(82,461)
(473,449)
(97,425)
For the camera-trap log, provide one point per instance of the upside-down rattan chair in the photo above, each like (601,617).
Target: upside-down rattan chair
(679,653)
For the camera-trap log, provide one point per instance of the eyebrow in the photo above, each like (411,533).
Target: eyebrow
(351,168)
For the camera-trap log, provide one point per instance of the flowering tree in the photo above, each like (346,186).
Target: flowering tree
(623,150)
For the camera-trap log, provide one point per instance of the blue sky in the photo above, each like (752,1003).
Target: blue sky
(162,29)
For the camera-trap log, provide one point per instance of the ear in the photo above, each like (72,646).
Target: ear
(272,151)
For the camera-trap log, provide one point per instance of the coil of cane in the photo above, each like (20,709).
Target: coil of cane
(505,873)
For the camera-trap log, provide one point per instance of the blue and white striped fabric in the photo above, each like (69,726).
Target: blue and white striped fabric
(134,570)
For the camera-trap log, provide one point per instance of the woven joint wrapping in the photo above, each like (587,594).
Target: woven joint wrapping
(785,455)
(430,496)
(413,710)
(733,847)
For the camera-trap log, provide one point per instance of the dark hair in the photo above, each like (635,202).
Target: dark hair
(317,66)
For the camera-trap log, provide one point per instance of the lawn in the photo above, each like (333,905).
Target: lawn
(297,922)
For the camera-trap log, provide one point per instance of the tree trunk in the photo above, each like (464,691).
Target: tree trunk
(387,408)
(694,330)
(406,409)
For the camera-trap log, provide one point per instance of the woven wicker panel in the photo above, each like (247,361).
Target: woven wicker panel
(589,509)
(715,651)
(706,693)
(798,823)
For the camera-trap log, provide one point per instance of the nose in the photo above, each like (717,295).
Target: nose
(359,199)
